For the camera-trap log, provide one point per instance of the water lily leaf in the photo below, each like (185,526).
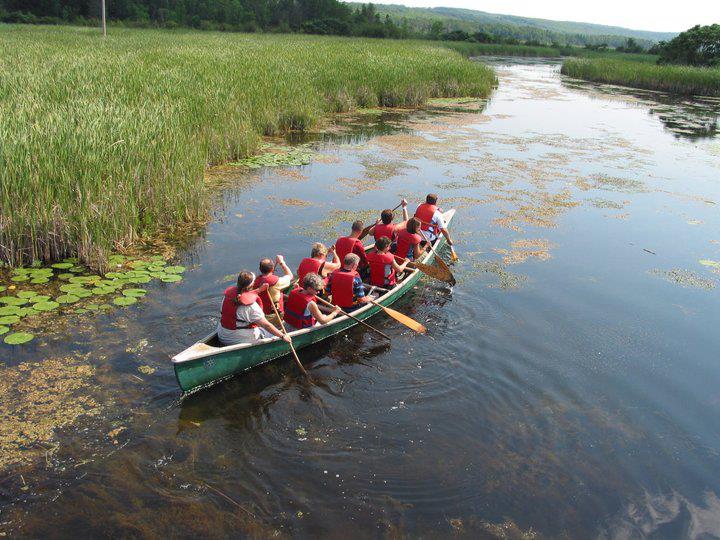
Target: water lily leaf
(13,301)
(63,265)
(78,269)
(66,299)
(172,278)
(82,293)
(26,294)
(105,307)
(46,306)
(92,307)
(159,275)
(20,271)
(114,275)
(136,293)
(20,278)
(138,264)
(155,268)
(3,288)
(124,300)
(70,287)
(140,279)
(65,276)
(9,319)
(18,338)
(175,269)
(26,312)
(80,311)
(100,291)
(78,280)
(39,280)
(4,330)
(39,298)
(8,310)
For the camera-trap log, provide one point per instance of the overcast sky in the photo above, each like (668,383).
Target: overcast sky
(658,15)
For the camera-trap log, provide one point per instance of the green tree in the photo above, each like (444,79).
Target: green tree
(699,46)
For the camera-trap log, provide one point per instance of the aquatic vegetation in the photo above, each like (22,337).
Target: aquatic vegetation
(277,156)
(684,278)
(121,134)
(506,280)
(667,78)
(522,250)
(18,338)
(36,398)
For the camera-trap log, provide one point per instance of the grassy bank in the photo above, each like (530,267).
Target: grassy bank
(675,79)
(103,141)
(494,49)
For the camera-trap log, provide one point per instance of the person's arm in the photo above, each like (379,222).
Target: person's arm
(417,251)
(335,258)
(399,268)
(286,270)
(439,221)
(330,267)
(359,250)
(367,229)
(446,234)
(359,291)
(404,210)
(320,316)
(270,327)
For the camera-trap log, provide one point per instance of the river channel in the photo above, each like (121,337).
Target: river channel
(569,384)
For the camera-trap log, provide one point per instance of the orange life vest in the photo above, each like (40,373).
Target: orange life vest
(382,273)
(295,308)
(406,242)
(228,311)
(425,213)
(271,280)
(341,287)
(384,230)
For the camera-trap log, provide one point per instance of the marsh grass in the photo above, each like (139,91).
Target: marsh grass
(667,78)
(102,142)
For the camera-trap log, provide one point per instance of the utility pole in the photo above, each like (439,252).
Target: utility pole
(102,14)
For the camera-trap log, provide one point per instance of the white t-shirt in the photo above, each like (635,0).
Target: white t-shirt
(245,316)
(438,222)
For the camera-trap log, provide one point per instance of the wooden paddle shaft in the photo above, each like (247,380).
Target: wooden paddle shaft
(284,331)
(355,318)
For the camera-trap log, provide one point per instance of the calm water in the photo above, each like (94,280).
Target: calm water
(569,384)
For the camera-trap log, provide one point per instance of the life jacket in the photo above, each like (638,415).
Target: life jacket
(382,273)
(341,287)
(228,311)
(271,280)
(384,230)
(348,244)
(425,213)
(295,308)
(308,265)
(405,242)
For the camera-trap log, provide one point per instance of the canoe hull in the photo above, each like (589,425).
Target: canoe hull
(223,362)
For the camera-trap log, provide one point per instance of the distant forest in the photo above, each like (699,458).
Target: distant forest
(308,16)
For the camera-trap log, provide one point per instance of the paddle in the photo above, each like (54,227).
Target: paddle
(453,255)
(292,347)
(442,264)
(402,318)
(432,271)
(330,304)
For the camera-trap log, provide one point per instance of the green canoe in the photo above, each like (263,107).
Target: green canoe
(208,362)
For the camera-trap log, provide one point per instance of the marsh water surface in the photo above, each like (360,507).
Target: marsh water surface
(569,385)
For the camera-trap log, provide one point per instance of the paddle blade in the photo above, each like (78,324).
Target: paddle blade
(404,319)
(453,255)
(435,272)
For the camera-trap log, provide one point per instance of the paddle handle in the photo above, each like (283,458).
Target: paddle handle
(284,331)
(330,304)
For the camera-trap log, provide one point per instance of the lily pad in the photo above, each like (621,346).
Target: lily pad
(171,278)
(20,278)
(81,311)
(65,276)
(159,275)
(124,300)
(26,294)
(140,279)
(18,338)
(92,307)
(63,265)
(175,269)
(82,293)
(39,280)
(70,287)
(26,312)
(155,268)
(46,306)
(13,301)
(9,310)
(67,299)
(100,291)
(39,298)
(3,288)
(9,319)
(78,269)
(104,307)
(4,330)
(135,293)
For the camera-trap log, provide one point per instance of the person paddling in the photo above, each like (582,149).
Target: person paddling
(409,240)
(383,267)
(352,243)
(317,263)
(241,315)
(432,220)
(276,284)
(345,285)
(386,227)
(301,309)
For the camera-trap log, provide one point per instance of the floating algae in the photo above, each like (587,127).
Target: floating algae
(337,222)
(506,280)
(36,398)
(272,155)
(684,278)
(522,250)
(541,212)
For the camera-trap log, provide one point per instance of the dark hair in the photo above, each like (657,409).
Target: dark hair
(244,281)
(412,225)
(382,243)
(386,216)
(266,266)
(358,226)
(431,198)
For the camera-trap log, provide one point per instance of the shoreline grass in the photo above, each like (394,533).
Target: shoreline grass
(102,142)
(498,49)
(684,80)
